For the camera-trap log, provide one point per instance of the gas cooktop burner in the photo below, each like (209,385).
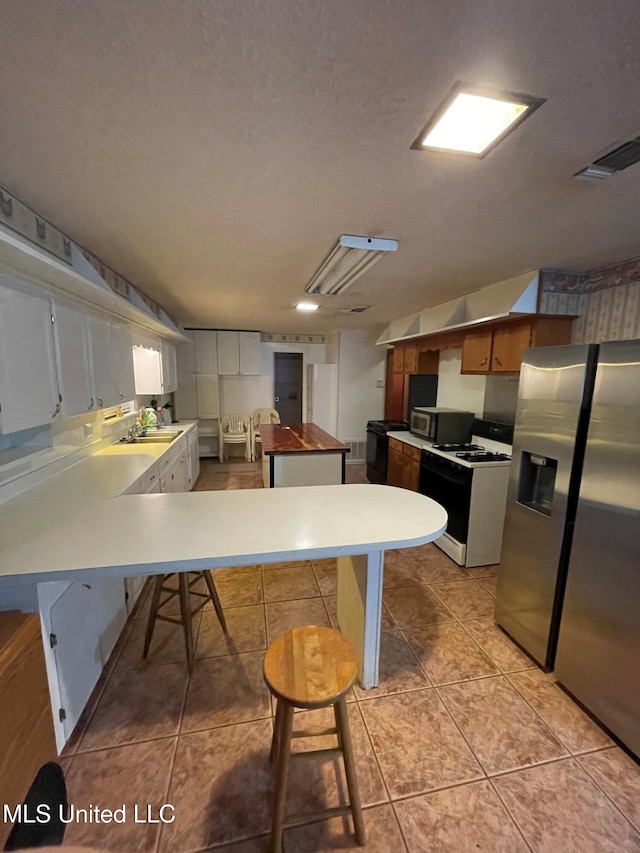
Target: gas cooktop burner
(484,457)
(452,447)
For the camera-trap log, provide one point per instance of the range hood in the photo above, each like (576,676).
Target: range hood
(509,298)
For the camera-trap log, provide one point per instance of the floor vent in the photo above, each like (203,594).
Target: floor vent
(358,447)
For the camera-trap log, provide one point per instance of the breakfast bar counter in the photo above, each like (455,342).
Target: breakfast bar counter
(301,455)
(127,535)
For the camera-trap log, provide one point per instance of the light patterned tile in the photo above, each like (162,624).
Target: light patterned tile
(225,690)
(133,776)
(565,719)
(246,632)
(167,644)
(558,807)
(434,566)
(283,615)
(327,576)
(502,730)
(619,777)
(221,787)
(399,669)
(448,654)
(282,584)
(489,584)
(331,836)
(495,643)
(418,746)
(465,599)
(412,606)
(463,819)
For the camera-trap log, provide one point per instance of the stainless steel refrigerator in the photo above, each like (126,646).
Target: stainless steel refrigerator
(598,656)
(569,577)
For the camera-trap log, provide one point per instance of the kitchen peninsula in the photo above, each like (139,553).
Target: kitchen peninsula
(301,455)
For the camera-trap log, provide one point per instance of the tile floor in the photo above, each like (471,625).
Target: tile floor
(464,746)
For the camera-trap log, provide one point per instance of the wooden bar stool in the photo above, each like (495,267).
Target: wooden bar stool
(184,589)
(311,667)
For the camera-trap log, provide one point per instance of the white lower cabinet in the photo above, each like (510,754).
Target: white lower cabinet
(194,457)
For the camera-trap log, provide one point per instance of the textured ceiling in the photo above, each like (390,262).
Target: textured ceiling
(213,150)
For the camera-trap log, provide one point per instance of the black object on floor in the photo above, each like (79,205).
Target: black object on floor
(48,791)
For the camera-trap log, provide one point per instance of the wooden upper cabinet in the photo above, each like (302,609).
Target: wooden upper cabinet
(508,345)
(476,352)
(405,359)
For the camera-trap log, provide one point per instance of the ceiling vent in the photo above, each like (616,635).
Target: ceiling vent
(620,158)
(359,309)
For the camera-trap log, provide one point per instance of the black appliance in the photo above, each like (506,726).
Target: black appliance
(442,425)
(378,447)
(449,484)
(423,391)
(483,456)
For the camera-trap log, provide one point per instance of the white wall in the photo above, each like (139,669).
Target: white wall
(456,391)
(361,365)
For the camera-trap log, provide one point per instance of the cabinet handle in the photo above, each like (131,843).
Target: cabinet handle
(86,585)
(56,411)
(153,476)
(99,399)
(484,361)
(121,395)
(91,403)
(497,360)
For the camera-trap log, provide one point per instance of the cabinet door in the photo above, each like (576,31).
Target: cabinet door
(508,346)
(411,477)
(476,352)
(72,354)
(410,358)
(206,351)
(194,457)
(186,356)
(111,607)
(186,398)
(249,346)
(207,396)
(28,381)
(104,384)
(122,356)
(169,369)
(228,354)
(78,659)
(398,360)
(395,468)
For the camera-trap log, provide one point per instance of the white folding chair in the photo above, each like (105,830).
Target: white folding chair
(261,416)
(236,429)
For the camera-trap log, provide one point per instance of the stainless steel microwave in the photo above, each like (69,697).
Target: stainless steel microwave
(442,426)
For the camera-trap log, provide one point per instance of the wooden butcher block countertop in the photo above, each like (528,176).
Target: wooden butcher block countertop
(298,438)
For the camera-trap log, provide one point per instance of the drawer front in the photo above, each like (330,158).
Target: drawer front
(412,452)
(394,444)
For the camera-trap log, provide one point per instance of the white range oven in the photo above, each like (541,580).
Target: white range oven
(470,481)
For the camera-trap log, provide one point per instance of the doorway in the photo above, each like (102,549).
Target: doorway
(287,386)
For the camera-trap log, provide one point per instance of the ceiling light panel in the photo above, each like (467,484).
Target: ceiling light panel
(472,121)
(307,306)
(348,260)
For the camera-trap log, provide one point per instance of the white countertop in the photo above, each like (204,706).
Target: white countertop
(488,444)
(148,534)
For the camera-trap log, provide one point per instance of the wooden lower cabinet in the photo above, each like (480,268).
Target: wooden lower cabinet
(403,465)
(26,726)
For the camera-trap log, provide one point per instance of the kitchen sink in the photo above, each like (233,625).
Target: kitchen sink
(152,438)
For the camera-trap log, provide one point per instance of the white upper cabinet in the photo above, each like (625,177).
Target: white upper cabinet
(122,359)
(249,345)
(228,354)
(72,354)
(104,382)
(186,356)
(206,351)
(147,363)
(186,399)
(29,394)
(239,353)
(169,368)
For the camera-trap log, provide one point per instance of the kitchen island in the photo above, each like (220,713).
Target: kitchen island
(126,536)
(301,455)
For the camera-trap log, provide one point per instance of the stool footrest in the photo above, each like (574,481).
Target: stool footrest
(310,733)
(325,814)
(318,753)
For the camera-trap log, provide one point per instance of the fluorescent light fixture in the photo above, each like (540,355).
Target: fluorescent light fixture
(348,260)
(307,306)
(473,120)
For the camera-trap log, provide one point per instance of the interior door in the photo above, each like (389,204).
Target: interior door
(288,386)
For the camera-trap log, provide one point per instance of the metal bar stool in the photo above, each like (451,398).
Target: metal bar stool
(311,667)
(184,589)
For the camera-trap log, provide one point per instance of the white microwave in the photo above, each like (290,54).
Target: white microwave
(442,426)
